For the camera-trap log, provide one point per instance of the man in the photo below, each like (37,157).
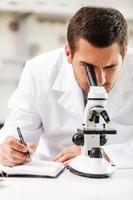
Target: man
(48,103)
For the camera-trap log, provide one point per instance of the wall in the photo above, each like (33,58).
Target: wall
(20,39)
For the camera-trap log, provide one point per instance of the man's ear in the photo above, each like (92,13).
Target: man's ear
(68,53)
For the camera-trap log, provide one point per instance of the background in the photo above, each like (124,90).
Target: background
(30,27)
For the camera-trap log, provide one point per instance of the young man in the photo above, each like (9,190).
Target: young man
(48,103)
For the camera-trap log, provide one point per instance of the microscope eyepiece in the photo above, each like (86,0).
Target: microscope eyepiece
(90,72)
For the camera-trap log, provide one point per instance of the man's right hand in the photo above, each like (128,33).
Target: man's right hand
(13,152)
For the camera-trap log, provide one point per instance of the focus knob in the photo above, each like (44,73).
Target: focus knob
(78,139)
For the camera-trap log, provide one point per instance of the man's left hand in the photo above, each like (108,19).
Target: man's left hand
(66,154)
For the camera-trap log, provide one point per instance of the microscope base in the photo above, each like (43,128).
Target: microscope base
(74,171)
(91,167)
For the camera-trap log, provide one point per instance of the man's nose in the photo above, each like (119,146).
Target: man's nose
(101,77)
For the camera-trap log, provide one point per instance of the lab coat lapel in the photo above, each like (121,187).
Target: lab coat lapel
(70,95)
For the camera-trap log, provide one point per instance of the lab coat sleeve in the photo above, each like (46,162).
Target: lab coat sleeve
(24,112)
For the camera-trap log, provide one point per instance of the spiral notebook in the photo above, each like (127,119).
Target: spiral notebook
(36,168)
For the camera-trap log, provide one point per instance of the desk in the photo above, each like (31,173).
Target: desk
(69,187)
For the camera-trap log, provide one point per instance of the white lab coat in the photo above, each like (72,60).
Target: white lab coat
(48,105)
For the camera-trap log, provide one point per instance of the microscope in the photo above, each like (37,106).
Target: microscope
(93,161)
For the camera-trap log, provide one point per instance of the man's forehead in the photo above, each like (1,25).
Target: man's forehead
(98,58)
(98,61)
(84,47)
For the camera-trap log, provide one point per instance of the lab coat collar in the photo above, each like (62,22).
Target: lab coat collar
(70,95)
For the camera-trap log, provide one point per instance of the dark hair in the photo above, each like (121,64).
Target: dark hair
(99,26)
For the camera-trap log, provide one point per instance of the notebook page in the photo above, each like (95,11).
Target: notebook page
(42,168)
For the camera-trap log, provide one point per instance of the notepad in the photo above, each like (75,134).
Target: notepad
(36,168)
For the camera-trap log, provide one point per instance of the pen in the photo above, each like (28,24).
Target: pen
(23,142)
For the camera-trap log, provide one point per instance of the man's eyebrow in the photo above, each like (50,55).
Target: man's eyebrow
(111,66)
(85,63)
(108,66)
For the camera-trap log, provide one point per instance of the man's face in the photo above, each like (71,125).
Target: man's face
(106,62)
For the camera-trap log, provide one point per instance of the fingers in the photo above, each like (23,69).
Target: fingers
(72,151)
(11,157)
(9,152)
(15,144)
(66,163)
(63,158)
(6,162)
(65,155)
(58,156)
(12,152)
(12,161)
(31,148)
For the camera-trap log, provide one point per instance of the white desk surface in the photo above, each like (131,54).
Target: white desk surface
(69,187)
